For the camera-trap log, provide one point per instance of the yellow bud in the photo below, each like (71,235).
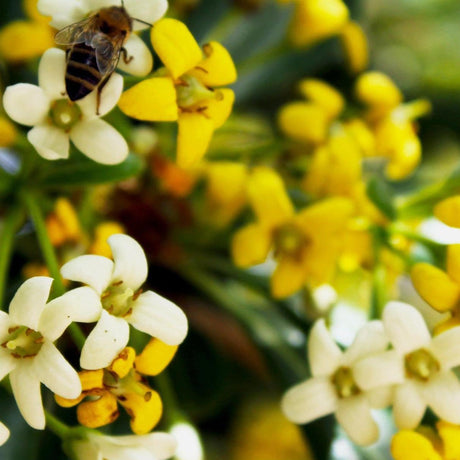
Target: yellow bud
(354,42)
(102,232)
(448,211)
(377,90)
(362,135)
(410,445)
(324,95)
(8,132)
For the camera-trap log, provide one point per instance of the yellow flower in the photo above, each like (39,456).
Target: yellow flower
(188,90)
(122,383)
(316,20)
(427,444)
(354,42)
(448,211)
(305,245)
(99,246)
(8,132)
(63,224)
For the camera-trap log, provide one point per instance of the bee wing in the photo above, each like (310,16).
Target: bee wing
(79,32)
(107,52)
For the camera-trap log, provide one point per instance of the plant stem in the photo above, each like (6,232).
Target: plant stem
(56,426)
(50,257)
(10,226)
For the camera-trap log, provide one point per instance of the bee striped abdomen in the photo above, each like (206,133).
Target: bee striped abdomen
(82,73)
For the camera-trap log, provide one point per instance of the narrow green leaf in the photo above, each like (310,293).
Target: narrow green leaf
(382,196)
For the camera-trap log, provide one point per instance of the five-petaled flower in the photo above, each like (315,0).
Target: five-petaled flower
(419,366)
(187,90)
(305,245)
(56,120)
(27,352)
(122,303)
(333,387)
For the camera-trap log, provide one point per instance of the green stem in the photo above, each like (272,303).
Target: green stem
(56,426)
(49,255)
(10,226)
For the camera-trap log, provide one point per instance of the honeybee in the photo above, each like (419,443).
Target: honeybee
(95,47)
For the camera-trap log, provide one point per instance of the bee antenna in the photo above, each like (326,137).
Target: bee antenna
(142,22)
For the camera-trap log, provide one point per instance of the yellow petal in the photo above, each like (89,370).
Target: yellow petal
(324,95)
(101,412)
(435,286)
(377,89)
(316,20)
(453,262)
(8,132)
(217,68)
(194,137)
(63,402)
(410,445)
(315,181)
(362,135)
(102,232)
(220,108)
(268,197)
(447,324)
(288,277)
(31,10)
(123,363)
(326,217)
(448,211)
(155,357)
(175,46)
(304,122)
(153,99)
(250,245)
(92,380)
(450,435)
(354,42)
(67,216)
(145,409)
(226,181)
(405,159)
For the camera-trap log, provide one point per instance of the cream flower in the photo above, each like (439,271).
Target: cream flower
(56,120)
(153,446)
(118,285)
(4,434)
(419,365)
(65,13)
(28,354)
(333,388)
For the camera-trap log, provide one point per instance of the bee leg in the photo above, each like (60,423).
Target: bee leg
(126,59)
(99,91)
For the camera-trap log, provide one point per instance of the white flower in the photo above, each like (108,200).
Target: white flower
(4,434)
(27,352)
(153,446)
(56,120)
(418,364)
(64,13)
(333,388)
(118,285)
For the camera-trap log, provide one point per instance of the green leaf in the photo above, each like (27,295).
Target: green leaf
(89,173)
(381,195)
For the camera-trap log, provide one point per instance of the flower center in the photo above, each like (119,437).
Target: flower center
(23,342)
(344,383)
(65,113)
(421,365)
(289,241)
(191,92)
(130,384)
(117,299)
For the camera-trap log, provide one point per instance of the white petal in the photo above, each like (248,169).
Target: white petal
(370,339)
(446,348)
(29,301)
(408,405)
(7,363)
(85,449)
(99,141)
(82,305)
(160,318)
(113,451)
(51,73)
(26,390)
(146,11)
(130,262)
(141,63)
(354,414)
(405,327)
(4,434)
(110,96)
(26,104)
(442,394)
(62,13)
(95,271)
(56,373)
(324,355)
(105,342)
(161,445)
(309,400)
(380,398)
(51,142)
(5,324)
(383,369)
